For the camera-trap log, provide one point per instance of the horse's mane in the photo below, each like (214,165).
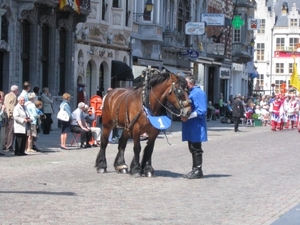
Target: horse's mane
(158,78)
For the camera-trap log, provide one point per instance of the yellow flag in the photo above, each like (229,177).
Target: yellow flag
(62,4)
(294,80)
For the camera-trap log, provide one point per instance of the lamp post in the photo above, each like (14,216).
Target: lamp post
(149,7)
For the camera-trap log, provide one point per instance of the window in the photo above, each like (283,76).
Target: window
(262,26)
(127,14)
(260,81)
(279,68)
(104,9)
(45,55)
(62,60)
(290,68)
(237,35)
(183,16)
(116,4)
(278,84)
(279,44)
(293,43)
(26,35)
(260,51)
(293,23)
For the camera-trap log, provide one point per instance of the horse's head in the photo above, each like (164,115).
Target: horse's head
(178,95)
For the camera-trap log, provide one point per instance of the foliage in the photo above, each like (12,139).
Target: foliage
(255,116)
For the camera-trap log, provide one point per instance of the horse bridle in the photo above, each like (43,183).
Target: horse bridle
(178,93)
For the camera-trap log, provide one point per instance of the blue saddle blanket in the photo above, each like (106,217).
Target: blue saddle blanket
(159,122)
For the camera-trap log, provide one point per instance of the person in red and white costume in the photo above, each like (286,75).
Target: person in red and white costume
(291,112)
(276,110)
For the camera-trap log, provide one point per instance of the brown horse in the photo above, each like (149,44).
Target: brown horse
(124,107)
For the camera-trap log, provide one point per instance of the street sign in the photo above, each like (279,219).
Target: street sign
(213,19)
(195,28)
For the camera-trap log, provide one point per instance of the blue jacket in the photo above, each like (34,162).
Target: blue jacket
(195,129)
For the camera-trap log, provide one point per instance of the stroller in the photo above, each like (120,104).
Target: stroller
(228,118)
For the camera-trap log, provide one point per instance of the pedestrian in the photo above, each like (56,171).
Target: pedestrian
(221,104)
(3,119)
(10,101)
(39,106)
(21,126)
(36,91)
(34,116)
(25,91)
(194,129)
(65,105)
(46,98)
(237,111)
(90,117)
(79,125)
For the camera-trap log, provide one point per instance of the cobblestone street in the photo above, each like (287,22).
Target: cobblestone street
(250,179)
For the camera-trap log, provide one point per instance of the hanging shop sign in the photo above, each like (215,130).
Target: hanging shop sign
(224,73)
(253,24)
(195,28)
(213,19)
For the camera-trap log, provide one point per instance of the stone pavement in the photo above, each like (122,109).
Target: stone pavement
(247,181)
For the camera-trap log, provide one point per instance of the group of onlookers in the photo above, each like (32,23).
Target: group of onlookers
(278,111)
(80,122)
(22,117)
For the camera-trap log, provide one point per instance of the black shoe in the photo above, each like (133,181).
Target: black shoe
(1,154)
(95,145)
(194,174)
(83,146)
(18,154)
(23,153)
(36,149)
(88,146)
(237,130)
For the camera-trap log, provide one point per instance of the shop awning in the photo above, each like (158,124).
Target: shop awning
(174,70)
(253,75)
(121,71)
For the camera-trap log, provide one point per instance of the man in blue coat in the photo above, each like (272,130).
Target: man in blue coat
(194,129)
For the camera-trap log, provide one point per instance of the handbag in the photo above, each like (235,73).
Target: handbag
(63,115)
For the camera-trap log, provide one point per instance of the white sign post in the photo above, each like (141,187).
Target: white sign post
(195,28)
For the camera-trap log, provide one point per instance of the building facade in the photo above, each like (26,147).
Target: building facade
(276,44)
(159,39)
(37,44)
(102,42)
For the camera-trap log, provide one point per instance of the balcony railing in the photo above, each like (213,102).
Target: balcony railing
(244,3)
(215,49)
(173,39)
(242,51)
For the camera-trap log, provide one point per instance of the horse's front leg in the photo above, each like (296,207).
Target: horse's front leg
(147,168)
(101,163)
(135,166)
(119,163)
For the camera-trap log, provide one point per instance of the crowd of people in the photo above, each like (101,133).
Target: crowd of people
(25,114)
(278,111)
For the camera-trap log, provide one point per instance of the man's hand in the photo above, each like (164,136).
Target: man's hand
(183,119)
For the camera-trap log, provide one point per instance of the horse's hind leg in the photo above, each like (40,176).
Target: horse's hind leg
(120,164)
(101,163)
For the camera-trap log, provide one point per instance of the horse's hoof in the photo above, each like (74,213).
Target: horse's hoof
(123,171)
(149,174)
(101,170)
(136,175)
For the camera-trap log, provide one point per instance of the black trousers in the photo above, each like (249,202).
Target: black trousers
(47,123)
(236,123)
(86,136)
(20,143)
